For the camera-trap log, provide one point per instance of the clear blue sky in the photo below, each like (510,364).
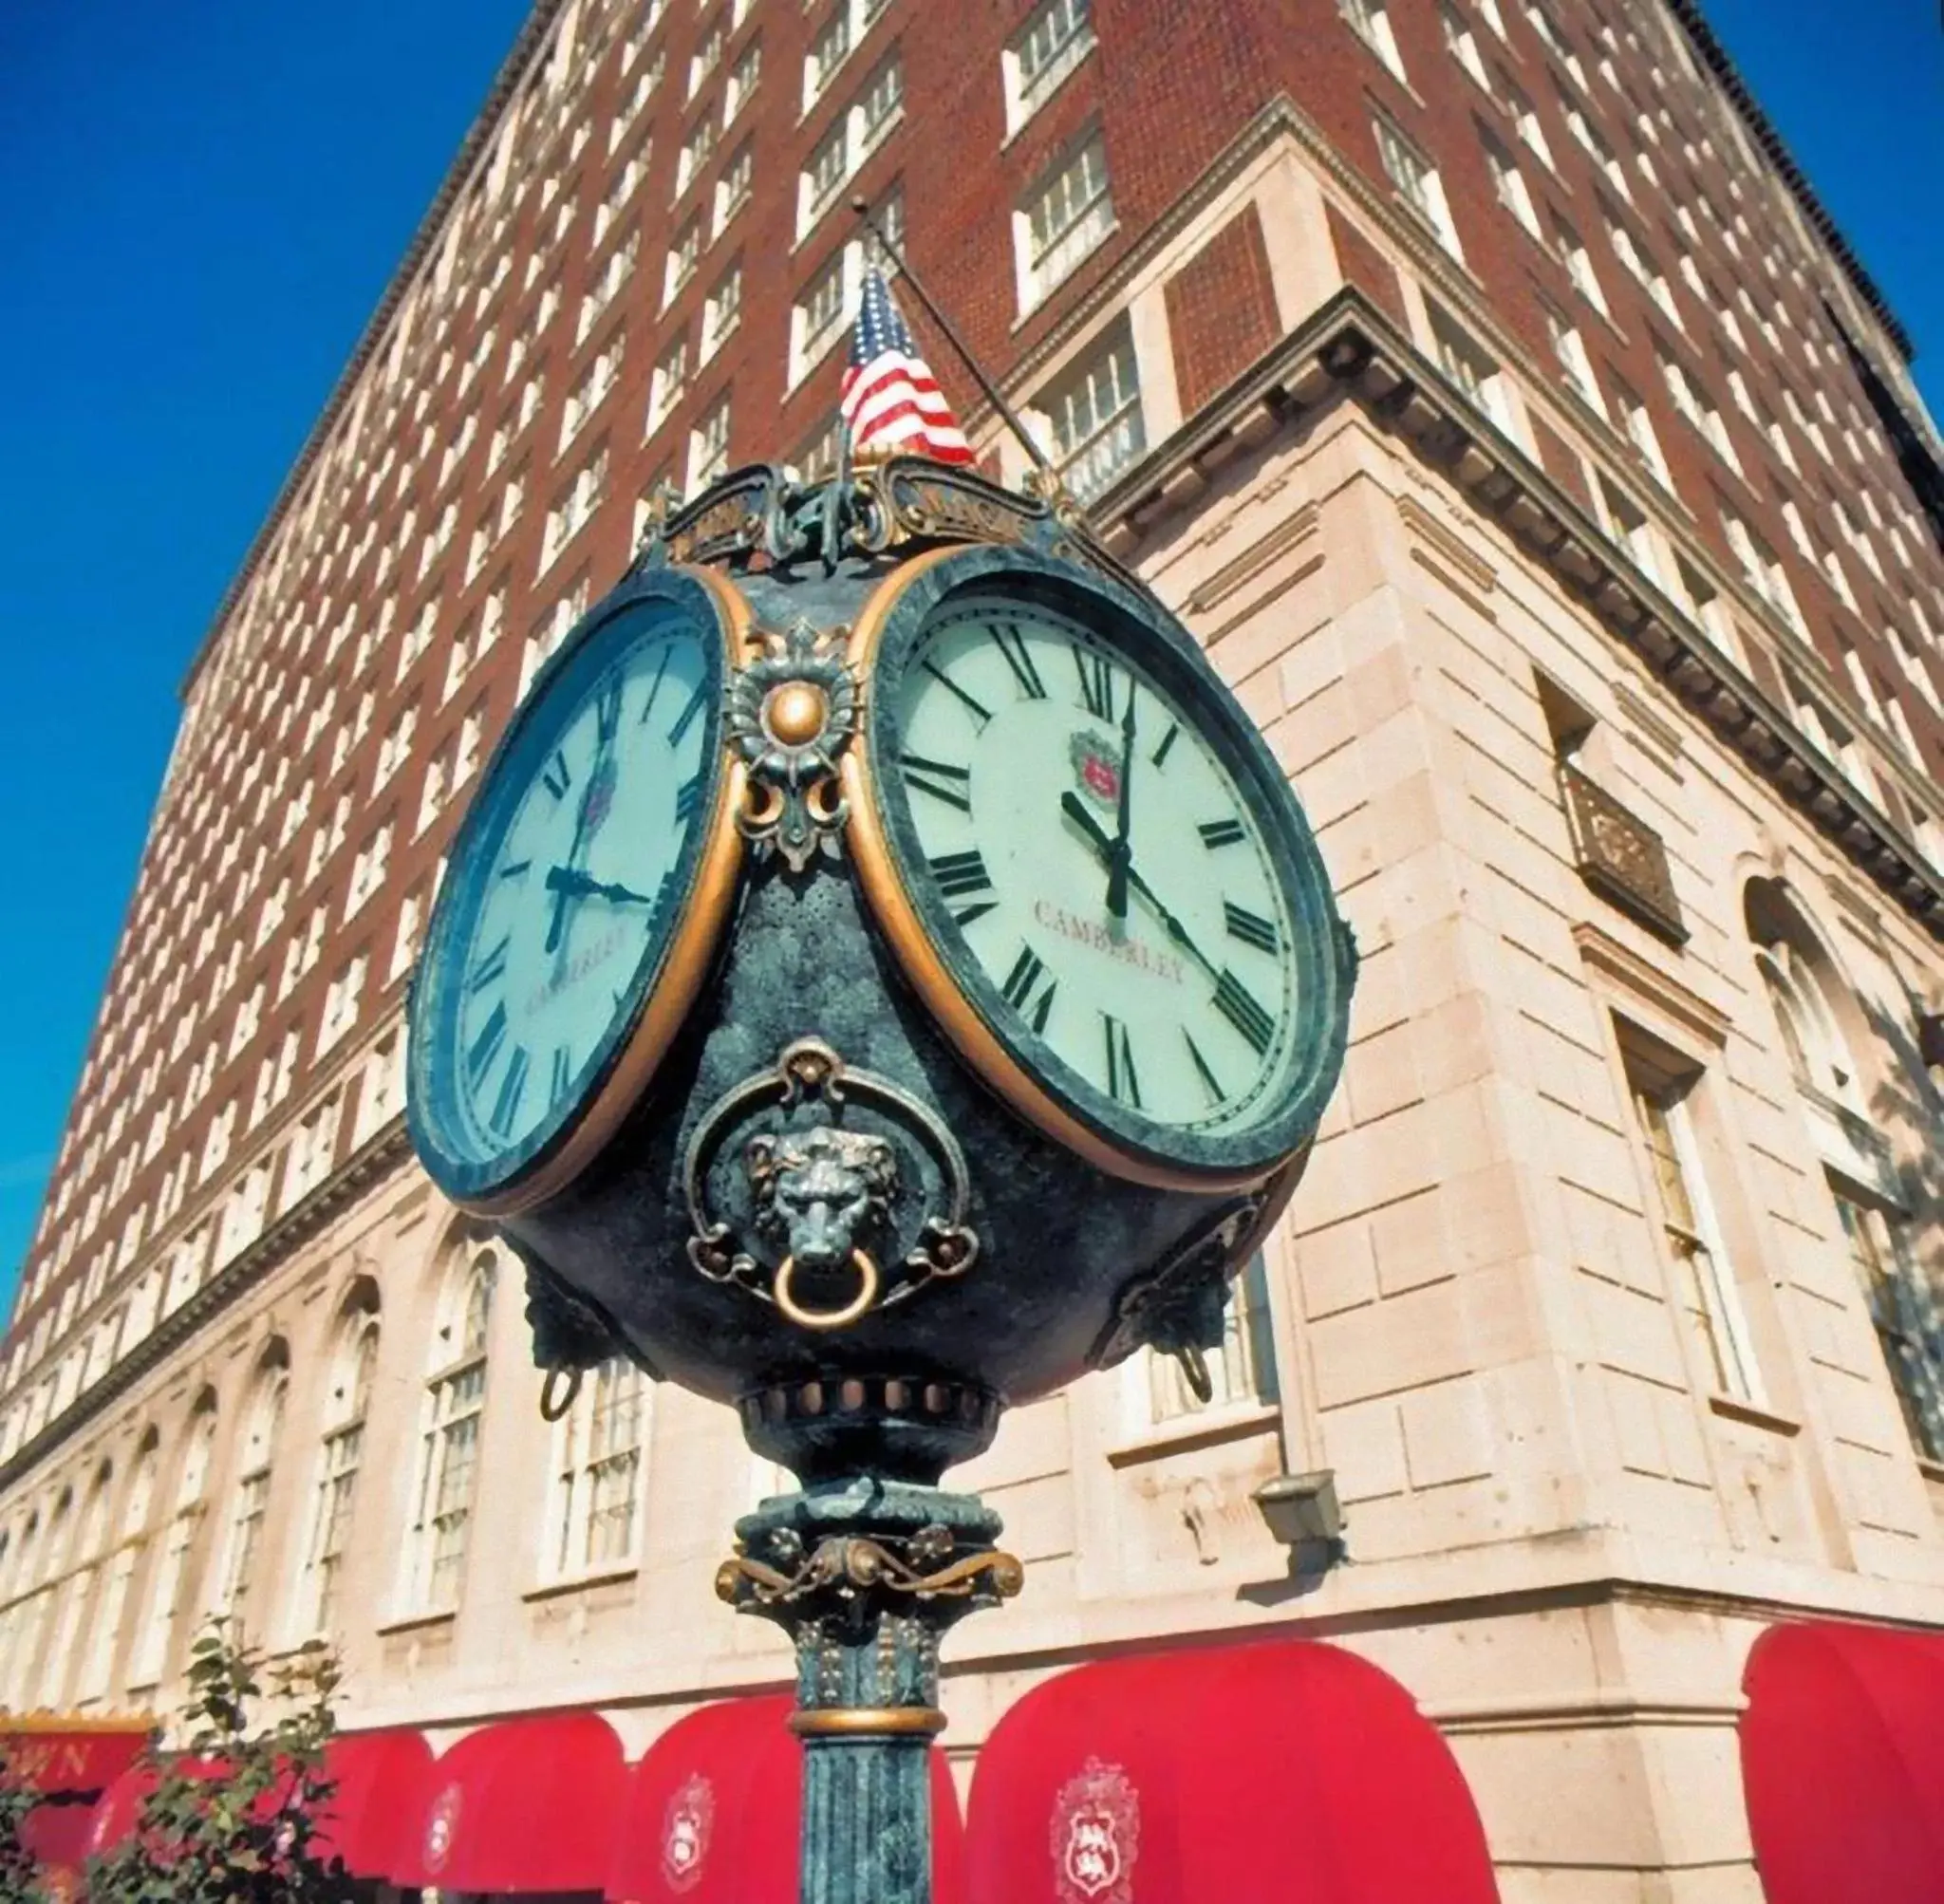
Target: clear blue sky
(199,205)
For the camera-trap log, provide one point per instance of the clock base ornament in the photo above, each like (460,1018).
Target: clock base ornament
(984,1007)
(867,1579)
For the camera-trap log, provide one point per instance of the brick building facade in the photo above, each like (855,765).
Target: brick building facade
(1487,389)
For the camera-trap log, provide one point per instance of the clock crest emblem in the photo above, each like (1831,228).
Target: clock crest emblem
(1097,767)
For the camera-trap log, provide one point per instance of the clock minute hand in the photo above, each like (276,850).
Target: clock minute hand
(1074,809)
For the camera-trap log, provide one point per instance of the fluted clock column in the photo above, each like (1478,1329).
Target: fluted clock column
(866,1576)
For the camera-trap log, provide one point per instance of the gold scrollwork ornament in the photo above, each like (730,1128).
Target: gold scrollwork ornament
(792,711)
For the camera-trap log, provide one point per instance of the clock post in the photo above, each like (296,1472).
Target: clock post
(932,1000)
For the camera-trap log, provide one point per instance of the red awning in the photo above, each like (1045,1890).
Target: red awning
(57,1836)
(379,1800)
(1259,1774)
(73,1757)
(1842,1760)
(119,1811)
(714,1814)
(526,1805)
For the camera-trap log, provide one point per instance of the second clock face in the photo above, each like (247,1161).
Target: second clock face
(1111,876)
(567,888)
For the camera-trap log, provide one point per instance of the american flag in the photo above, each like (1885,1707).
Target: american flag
(890,399)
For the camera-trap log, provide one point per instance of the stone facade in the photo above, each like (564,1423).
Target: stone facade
(1606,1301)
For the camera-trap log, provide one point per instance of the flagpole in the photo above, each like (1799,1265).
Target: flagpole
(1041,462)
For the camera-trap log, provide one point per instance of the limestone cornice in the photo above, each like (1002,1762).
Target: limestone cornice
(375,1159)
(1347,349)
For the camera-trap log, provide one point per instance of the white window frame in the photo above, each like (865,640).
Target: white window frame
(1087,220)
(1040,58)
(600,1470)
(1418,182)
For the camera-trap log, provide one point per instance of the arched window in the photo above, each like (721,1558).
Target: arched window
(75,1593)
(598,1471)
(262,1421)
(449,1441)
(25,1617)
(354,1359)
(131,1538)
(168,1590)
(1818,1054)
(41,1568)
(1803,985)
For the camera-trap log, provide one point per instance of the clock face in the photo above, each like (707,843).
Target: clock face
(1091,841)
(566,887)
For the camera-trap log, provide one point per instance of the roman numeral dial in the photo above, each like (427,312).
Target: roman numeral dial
(1085,848)
(561,897)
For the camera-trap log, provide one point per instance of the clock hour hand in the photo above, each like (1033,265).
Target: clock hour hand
(566,880)
(1075,809)
(1121,854)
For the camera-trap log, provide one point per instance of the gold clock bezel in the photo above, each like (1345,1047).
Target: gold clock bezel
(692,948)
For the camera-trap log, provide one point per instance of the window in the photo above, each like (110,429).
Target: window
(405,944)
(817,320)
(1705,1285)
(683,255)
(1509,182)
(1066,215)
(695,153)
(98,1666)
(252,1503)
(743,79)
(828,51)
(1462,43)
(1570,350)
(667,384)
(1627,523)
(1579,265)
(313,1149)
(1242,1372)
(1640,263)
(703,60)
(1525,122)
(1469,366)
(598,1469)
(722,310)
(733,188)
(1902,1315)
(708,447)
(1763,568)
(354,1360)
(382,1092)
(1372,25)
(1697,408)
(574,508)
(1417,179)
(879,105)
(367,869)
(1641,434)
(1094,414)
(341,1000)
(590,391)
(449,1439)
(166,1593)
(1053,43)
